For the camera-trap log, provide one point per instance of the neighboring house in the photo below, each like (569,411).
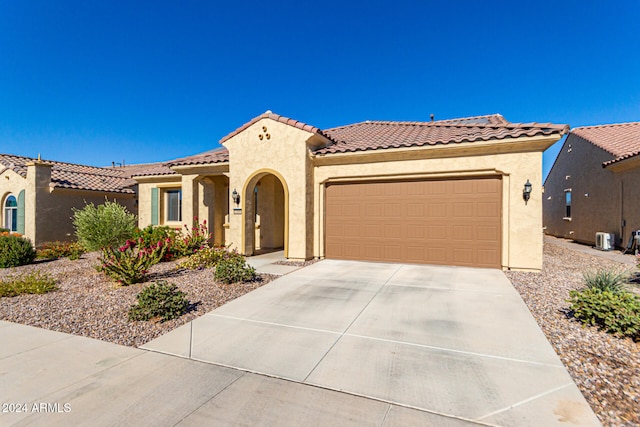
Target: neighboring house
(38,195)
(441,192)
(594,184)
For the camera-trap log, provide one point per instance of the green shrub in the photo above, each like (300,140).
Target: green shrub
(205,258)
(605,280)
(104,225)
(4,230)
(160,299)
(130,263)
(615,312)
(29,283)
(55,250)
(234,269)
(15,250)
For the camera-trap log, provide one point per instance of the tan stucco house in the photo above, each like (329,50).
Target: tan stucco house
(38,196)
(441,192)
(594,184)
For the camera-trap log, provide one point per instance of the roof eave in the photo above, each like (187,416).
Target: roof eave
(202,169)
(57,188)
(537,143)
(623,165)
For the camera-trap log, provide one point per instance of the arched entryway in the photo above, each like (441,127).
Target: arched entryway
(265,213)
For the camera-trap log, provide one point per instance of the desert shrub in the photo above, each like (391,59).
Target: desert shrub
(55,250)
(195,239)
(15,250)
(160,299)
(615,312)
(28,283)
(151,235)
(205,258)
(605,280)
(234,269)
(130,263)
(109,224)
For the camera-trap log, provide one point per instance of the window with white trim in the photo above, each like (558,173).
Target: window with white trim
(173,205)
(11,213)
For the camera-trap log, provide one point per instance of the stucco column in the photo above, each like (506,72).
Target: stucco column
(233,235)
(220,209)
(36,198)
(189,200)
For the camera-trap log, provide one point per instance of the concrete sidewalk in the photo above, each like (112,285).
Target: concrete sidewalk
(456,342)
(266,263)
(50,378)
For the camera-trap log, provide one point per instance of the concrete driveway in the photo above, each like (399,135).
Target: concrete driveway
(451,342)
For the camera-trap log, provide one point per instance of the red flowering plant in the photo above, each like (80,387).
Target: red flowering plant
(195,239)
(129,263)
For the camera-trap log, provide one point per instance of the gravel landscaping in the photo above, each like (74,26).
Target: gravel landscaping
(605,368)
(87,303)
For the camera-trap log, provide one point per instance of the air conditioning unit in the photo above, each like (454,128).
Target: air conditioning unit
(605,241)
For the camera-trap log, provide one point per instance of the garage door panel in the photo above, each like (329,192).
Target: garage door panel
(374,210)
(392,230)
(462,210)
(487,209)
(392,210)
(392,253)
(373,230)
(436,232)
(451,222)
(415,210)
(436,210)
(415,231)
(487,233)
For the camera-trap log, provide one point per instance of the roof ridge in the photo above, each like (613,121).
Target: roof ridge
(55,162)
(606,125)
(119,176)
(276,117)
(440,124)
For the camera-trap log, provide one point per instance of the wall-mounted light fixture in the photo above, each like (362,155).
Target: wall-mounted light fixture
(526,192)
(236,197)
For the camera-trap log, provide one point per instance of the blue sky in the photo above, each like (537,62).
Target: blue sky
(95,82)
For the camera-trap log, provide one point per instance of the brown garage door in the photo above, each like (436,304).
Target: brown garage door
(449,222)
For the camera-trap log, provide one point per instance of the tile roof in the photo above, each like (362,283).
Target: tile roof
(495,119)
(377,135)
(146,169)
(70,175)
(621,140)
(269,115)
(217,155)
(621,158)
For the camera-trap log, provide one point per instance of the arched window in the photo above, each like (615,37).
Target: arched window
(11,213)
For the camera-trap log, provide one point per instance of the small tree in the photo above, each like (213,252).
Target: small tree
(107,225)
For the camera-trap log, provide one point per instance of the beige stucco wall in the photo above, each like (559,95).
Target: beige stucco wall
(204,197)
(55,211)
(144,196)
(521,223)
(285,155)
(630,207)
(49,211)
(595,194)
